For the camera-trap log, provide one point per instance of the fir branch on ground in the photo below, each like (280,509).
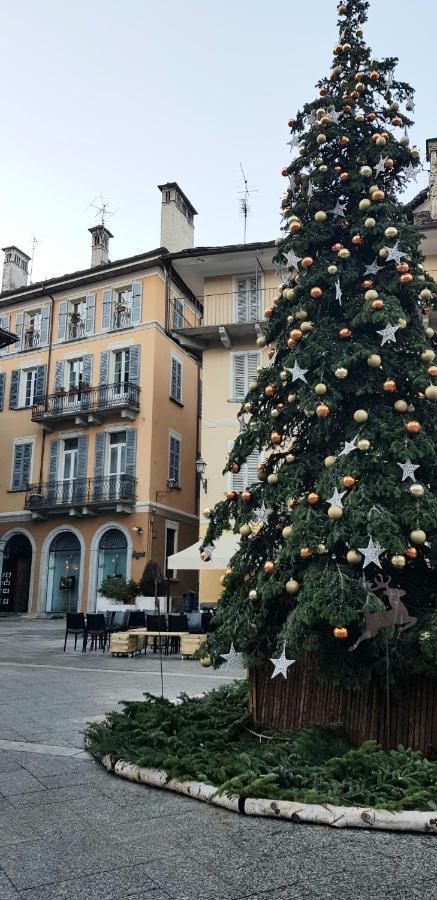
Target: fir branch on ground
(210,739)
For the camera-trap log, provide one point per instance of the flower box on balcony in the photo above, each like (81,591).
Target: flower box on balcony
(85,388)
(119,308)
(60,392)
(75,318)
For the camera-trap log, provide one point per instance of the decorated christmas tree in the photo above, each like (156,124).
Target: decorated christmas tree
(338,547)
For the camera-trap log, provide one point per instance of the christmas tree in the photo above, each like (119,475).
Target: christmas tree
(338,547)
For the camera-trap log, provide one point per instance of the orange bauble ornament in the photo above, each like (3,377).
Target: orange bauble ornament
(305,552)
(406,279)
(268,312)
(389,163)
(246,496)
(432,371)
(375,137)
(235,468)
(313,498)
(367,284)
(323,91)
(322,411)
(316,293)
(336,247)
(348,481)
(371,116)
(378,304)
(413,427)
(344,141)
(411,552)
(271,352)
(275,437)
(378,196)
(340,633)
(284,171)
(231,495)
(307,262)
(269,390)
(389,386)
(345,333)
(396,120)
(357,239)
(268,566)
(295,227)
(228,571)
(291,123)
(402,268)
(344,176)
(296,334)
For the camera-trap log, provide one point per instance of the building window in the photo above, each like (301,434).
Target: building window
(121,307)
(117,453)
(248,473)
(176,379)
(244,370)
(174,459)
(121,364)
(21,465)
(27,387)
(76,318)
(247,300)
(178,312)
(75,374)
(171,542)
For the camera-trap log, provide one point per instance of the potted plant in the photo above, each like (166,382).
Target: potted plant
(75,318)
(60,392)
(85,387)
(118,590)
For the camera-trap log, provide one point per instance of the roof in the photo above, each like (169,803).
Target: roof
(173,184)
(417,200)
(226,248)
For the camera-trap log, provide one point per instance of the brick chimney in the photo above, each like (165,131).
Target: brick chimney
(177,218)
(99,245)
(15,268)
(431,155)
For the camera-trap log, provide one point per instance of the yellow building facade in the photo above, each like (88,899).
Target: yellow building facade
(98,428)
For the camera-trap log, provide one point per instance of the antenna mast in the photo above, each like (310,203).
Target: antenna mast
(244,202)
(35,241)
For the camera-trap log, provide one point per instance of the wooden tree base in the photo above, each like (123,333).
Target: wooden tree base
(305,699)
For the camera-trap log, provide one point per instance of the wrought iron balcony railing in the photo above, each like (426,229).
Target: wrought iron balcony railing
(76,329)
(105,492)
(121,317)
(106,398)
(231,308)
(31,339)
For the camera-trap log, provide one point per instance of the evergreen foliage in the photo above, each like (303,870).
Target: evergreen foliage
(354,154)
(209,739)
(119,590)
(151,574)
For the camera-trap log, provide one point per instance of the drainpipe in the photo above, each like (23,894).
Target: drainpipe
(49,360)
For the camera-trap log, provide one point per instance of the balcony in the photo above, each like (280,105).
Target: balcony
(81,497)
(223,317)
(31,339)
(121,317)
(87,406)
(76,328)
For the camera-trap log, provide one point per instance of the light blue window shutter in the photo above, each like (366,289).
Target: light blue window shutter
(17,467)
(104,366)
(106,309)
(2,388)
(134,364)
(62,320)
(174,459)
(53,460)
(44,326)
(5,323)
(40,382)
(19,329)
(27,461)
(90,313)
(59,374)
(131,442)
(137,293)
(99,458)
(87,369)
(13,394)
(82,459)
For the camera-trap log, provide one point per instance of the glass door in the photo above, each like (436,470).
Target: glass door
(247,300)
(117,463)
(121,373)
(75,375)
(69,469)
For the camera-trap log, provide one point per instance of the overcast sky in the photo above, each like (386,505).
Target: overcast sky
(116,97)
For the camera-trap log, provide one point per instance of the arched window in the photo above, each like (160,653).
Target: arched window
(64,572)
(112,562)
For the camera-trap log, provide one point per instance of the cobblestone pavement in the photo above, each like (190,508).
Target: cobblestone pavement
(69,830)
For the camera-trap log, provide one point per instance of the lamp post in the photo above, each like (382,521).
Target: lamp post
(200,470)
(171,484)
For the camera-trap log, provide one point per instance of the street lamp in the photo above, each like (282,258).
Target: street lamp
(200,469)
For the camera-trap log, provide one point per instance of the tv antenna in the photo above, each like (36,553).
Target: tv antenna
(244,202)
(102,210)
(35,242)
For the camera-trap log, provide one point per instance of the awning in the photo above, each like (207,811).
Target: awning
(224,549)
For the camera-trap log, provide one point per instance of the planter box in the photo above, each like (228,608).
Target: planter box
(104,604)
(409,718)
(190,643)
(124,642)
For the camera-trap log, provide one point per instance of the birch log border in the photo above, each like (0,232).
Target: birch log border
(311,813)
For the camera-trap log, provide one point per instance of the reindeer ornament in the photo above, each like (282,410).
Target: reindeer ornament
(397,615)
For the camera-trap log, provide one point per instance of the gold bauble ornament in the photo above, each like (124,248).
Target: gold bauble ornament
(332,270)
(398,561)
(287,532)
(245,530)
(305,327)
(391,232)
(321,139)
(425,294)
(330,461)
(401,406)
(206,662)
(261,341)
(289,458)
(273,478)
(207,512)
(427,356)
(366,171)
(341,373)
(431,392)
(292,586)
(418,536)
(253,595)
(417,490)
(371,295)
(364,204)
(429,332)
(369,223)
(320,389)
(374,361)
(344,253)
(363,444)
(383,253)
(353,557)
(335,512)
(360,415)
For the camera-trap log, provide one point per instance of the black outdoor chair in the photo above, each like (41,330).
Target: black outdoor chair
(176,623)
(75,624)
(206,622)
(96,630)
(158,623)
(136,619)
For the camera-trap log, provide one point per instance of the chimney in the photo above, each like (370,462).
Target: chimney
(99,245)
(431,155)
(177,218)
(15,272)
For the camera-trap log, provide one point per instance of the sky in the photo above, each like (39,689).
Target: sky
(113,98)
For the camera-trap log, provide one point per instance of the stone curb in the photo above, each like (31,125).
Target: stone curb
(324,814)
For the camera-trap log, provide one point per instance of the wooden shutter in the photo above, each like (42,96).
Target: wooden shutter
(99,455)
(19,329)
(21,466)
(176,379)
(241,301)
(90,313)
(251,468)
(104,366)
(87,368)
(62,320)
(253,296)
(53,460)
(5,323)
(2,388)
(137,293)
(239,378)
(106,309)
(235,480)
(40,385)
(131,442)
(253,361)
(44,326)
(13,393)
(134,364)
(59,374)
(174,458)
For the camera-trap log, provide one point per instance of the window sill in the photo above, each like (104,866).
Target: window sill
(19,490)
(176,401)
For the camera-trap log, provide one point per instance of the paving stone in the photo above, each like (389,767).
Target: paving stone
(20,782)
(117,883)
(7,890)
(32,864)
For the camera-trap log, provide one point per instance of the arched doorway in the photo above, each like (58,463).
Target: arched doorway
(63,573)
(15,580)
(112,556)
